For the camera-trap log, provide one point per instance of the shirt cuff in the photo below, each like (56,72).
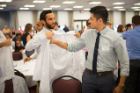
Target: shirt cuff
(69,47)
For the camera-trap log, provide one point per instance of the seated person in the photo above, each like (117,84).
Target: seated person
(18,46)
(9,37)
(19,37)
(56,28)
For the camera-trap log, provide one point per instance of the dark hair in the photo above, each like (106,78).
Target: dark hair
(119,29)
(28,27)
(100,12)
(136,20)
(8,35)
(56,23)
(127,25)
(17,48)
(18,34)
(43,14)
(87,23)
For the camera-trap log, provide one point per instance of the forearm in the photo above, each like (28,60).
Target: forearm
(59,43)
(122,79)
(2,44)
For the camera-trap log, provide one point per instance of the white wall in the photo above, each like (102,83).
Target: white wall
(77,15)
(25,17)
(129,15)
(63,18)
(117,18)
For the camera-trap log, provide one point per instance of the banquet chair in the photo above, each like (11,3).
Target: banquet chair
(18,73)
(9,86)
(61,85)
(17,56)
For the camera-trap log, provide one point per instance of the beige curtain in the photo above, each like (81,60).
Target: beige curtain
(35,14)
(123,15)
(70,18)
(56,15)
(111,16)
(15,20)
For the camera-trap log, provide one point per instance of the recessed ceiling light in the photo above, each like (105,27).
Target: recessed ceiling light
(68,9)
(68,2)
(3,5)
(47,8)
(121,9)
(118,3)
(94,2)
(39,1)
(29,6)
(87,9)
(134,7)
(1,8)
(5,0)
(78,6)
(137,4)
(24,8)
(55,6)
(108,9)
(118,7)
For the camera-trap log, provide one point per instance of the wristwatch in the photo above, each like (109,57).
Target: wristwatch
(121,86)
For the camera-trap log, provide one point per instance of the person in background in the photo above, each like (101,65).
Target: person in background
(71,28)
(132,37)
(39,26)
(77,29)
(121,29)
(6,30)
(19,37)
(20,31)
(128,27)
(8,37)
(13,32)
(105,47)
(56,28)
(18,46)
(109,24)
(66,28)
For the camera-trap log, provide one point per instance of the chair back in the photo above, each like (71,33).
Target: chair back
(17,56)
(18,73)
(61,85)
(9,86)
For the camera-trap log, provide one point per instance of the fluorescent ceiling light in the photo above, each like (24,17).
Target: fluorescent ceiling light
(5,0)
(55,6)
(78,6)
(87,9)
(1,8)
(121,9)
(68,9)
(118,3)
(118,7)
(134,7)
(94,2)
(3,5)
(108,9)
(24,8)
(68,2)
(137,4)
(39,1)
(47,8)
(29,6)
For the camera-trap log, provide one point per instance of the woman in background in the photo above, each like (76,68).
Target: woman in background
(13,32)
(18,46)
(121,29)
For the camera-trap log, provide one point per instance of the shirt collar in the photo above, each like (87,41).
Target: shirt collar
(104,30)
(45,30)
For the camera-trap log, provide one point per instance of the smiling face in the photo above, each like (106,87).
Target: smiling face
(50,21)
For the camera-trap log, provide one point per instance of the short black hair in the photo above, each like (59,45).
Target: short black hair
(136,20)
(128,25)
(43,14)
(87,23)
(8,35)
(100,12)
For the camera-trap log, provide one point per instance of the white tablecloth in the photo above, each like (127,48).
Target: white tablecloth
(27,70)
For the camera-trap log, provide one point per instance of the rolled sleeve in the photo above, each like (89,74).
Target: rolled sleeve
(76,46)
(122,54)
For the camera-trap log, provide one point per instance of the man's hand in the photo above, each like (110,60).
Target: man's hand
(7,42)
(27,59)
(77,35)
(118,90)
(49,35)
(52,41)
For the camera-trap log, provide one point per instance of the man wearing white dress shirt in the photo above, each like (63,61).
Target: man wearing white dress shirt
(105,47)
(56,28)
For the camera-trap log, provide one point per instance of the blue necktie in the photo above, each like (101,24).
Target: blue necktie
(94,69)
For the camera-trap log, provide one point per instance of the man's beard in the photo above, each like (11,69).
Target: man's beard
(49,26)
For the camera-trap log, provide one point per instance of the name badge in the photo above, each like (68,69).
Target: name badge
(105,48)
